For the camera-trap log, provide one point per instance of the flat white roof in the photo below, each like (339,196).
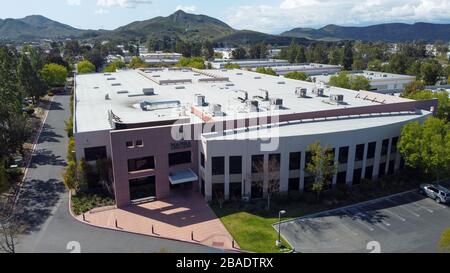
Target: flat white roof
(317,126)
(122,93)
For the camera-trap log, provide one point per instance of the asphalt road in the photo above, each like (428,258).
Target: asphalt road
(404,223)
(43,204)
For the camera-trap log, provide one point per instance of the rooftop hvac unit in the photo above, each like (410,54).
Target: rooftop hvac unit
(122,92)
(301,92)
(107,97)
(276,103)
(148,91)
(242,95)
(216,109)
(264,94)
(252,105)
(281,82)
(257,78)
(199,100)
(338,99)
(111,79)
(318,91)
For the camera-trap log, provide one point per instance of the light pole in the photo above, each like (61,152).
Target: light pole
(278,242)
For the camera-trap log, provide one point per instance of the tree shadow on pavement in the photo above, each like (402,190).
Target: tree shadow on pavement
(46,157)
(37,201)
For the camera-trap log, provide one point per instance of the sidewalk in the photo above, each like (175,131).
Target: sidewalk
(173,218)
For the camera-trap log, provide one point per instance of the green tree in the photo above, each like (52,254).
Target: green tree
(267,71)
(232,66)
(412,88)
(321,167)
(375,65)
(347,59)
(110,68)
(85,67)
(54,75)
(443,109)
(301,76)
(358,64)
(341,80)
(136,62)
(4,184)
(426,146)
(444,241)
(194,62)
(359,83)
(239,53)
(29,81)
(430,71)
(207,50)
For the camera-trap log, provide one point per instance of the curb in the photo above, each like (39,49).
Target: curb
(136,233)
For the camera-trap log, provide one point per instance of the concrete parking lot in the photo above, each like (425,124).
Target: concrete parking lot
(407,222)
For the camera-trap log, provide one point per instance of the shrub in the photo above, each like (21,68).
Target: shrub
(83,202)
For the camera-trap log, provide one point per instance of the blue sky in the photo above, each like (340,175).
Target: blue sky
(272,16)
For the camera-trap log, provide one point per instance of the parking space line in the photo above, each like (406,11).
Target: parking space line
(414,203)
(359,221)
(402,207)
(395,214)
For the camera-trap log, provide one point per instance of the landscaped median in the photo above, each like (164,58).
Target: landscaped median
(251,224)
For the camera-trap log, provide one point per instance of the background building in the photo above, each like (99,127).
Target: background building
(380,82)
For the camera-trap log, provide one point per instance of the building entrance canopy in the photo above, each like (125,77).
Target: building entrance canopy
(182,177)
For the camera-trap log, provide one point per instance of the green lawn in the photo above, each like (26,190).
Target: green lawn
(251,223)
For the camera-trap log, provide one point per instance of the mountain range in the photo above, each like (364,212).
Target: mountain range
(394,32)
(190,26)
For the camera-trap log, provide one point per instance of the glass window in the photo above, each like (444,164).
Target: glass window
(180,158)
(371,150)
(218,191)
(357,176)
(359,154)
(257,189)
(341,178)
(274,162)
(236,190)
(142,188)
(235,164)
(308,158)
(394,145)
(384,147)
(382,170)
(129,144)
(295,161)
(139,143)
(309,182)
(369,173)
(391,167)
(257,163)
(95,153)
(218,165)
(294,184)
(141,164)
(343,155)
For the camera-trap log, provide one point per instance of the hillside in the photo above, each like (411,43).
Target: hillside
(180,24)
(36,27)
(394,32)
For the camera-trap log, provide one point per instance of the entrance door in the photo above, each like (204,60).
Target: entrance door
(143,188)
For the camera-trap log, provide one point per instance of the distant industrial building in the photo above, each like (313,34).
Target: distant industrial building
(380,82)
(248,63)
(226,52)
(155,58)
(310,69)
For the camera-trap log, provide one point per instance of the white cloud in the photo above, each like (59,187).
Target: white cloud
(317,13)
(122,3)
(186,8)
(73,2)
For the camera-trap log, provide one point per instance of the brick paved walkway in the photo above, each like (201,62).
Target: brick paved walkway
(175,217)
